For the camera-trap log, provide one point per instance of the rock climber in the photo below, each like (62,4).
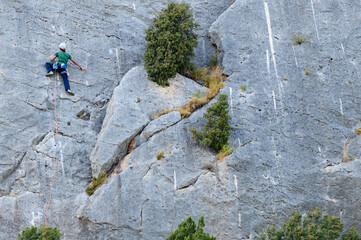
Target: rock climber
(60,66)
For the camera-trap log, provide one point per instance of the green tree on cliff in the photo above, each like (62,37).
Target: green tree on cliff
(313,226)
(187,230)
(216,130)
(170,42)
(41,233)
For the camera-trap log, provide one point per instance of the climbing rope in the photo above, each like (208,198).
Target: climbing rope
(57,149)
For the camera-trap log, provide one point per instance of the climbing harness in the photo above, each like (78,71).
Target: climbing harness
(57,150)
(58,64)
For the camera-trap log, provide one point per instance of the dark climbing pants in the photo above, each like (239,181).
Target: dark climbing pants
(62,71)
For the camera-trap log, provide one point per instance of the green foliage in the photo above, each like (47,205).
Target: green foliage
(170,42)
(351,234)
(198,94)
(216,130)
(188,230)
(194,72)
(41,233)
(243,87)
(299,39)
(96,183)
(312,226)
(225,151)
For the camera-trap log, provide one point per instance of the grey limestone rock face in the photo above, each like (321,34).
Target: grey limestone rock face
(288,124)
(184,182)
(157,125)
(106,38)
(134,103)
(288,127)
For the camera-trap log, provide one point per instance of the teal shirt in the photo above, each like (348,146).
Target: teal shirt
(63,57)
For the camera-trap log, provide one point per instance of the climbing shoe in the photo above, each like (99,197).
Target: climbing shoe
(49,74)
(70,92)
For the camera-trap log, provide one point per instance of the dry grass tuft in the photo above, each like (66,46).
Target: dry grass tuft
(358,131)
(214,79)
(345,149)
(160,155)
(131,146)
(193,104)
(164,111)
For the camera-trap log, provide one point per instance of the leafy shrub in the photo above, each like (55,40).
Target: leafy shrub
(351,234)
(312,226)
(216,130)
(96,183)
(41,233)
(188,230)
(170,42)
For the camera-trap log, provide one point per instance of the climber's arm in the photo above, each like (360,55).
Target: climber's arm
(76,63)
(52,58)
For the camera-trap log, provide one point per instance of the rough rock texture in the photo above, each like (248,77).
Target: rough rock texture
(290,125)
(159,124)
(135,101)
(289,134)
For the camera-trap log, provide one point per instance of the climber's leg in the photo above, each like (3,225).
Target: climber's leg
(49,68)
(64,75)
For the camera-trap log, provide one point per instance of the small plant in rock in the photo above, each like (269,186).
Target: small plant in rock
(214,60)
(299,39)
(194,72)
(214,81)
(96,183)
(312,226)
(170,42)
(197,94)
(188,230)
(225,151)
(358,131)
(160,155)
(307,71)
(41,233)
(243,87)
(216,130)
(285,79)
(346,146)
